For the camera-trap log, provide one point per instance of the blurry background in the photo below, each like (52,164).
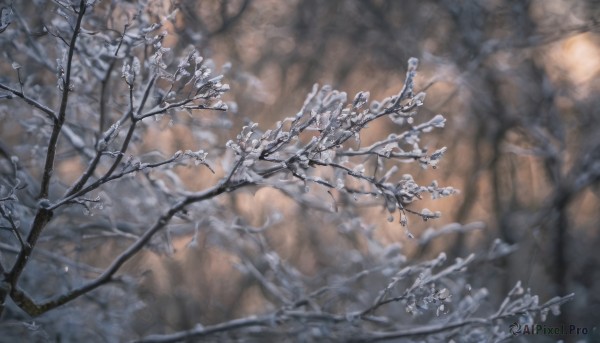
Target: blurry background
(517,80)
(518,83)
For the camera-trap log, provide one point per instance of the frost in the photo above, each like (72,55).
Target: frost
(419,99)
(439,310)
(359,169)
(127,74)
(6,16)
(438,121)
(438,153)
(136,65)
(403,220)
(360,100)
(216,79)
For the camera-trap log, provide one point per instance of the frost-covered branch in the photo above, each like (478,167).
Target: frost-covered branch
(518,304)
(319,137)
(31,307)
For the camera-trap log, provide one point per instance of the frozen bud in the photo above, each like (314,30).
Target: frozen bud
(438,121)
(360,100)
(419,99)
(413,63)
(43,203)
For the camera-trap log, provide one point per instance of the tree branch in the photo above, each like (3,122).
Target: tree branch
(49,112)
(28,305)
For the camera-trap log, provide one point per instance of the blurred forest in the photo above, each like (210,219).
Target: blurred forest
(518,82)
